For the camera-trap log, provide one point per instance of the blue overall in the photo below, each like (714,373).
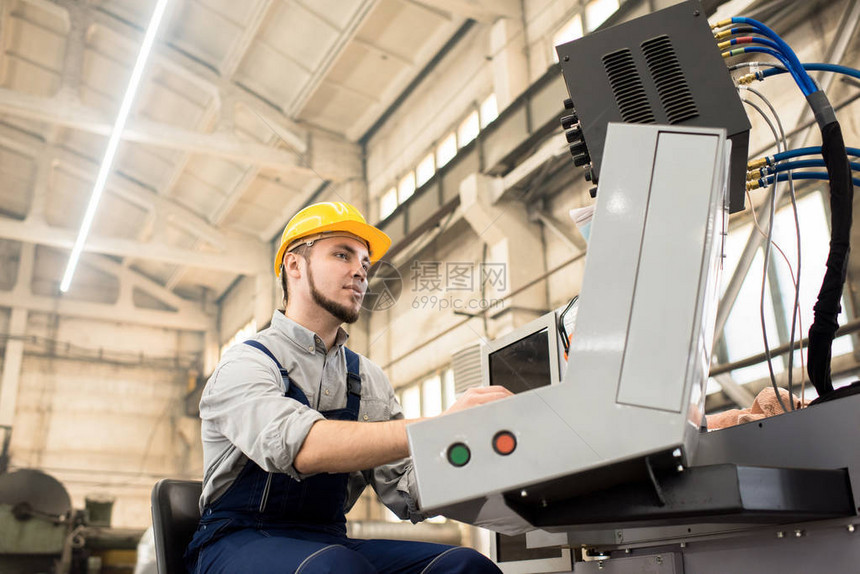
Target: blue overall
(268,522)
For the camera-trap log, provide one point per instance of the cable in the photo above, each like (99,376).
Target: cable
(792,153)
(795,312)
(748,40)
(735,31)
(772,212)
(794,282)
(828,304)
(852,151)
(562,329)
(812,67)
(804,82)
(820,175)
(779,56)
(800,152)
(756,76)
(793,64)
(790,165)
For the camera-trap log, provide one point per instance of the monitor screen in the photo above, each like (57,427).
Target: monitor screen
(522,365)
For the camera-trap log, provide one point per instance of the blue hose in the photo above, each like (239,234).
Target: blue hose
(782,58)
(804,81)
(815,67)
(790,165)
(852,151)
(822,175)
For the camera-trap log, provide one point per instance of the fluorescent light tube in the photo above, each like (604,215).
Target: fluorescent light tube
(113,142)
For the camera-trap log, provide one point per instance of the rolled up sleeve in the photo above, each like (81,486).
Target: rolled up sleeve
(244,401)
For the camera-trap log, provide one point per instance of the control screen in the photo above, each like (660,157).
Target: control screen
(522,365)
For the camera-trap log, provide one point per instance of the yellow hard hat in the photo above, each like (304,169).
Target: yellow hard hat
(330,217)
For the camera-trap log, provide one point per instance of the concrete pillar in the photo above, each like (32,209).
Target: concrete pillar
(514,248)
(12,366)
(264,298)
(73,61)
(15,347)
(353,191)
(510,60)
(211,350)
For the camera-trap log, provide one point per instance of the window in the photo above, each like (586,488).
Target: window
(411,402)
(425,170)
(450,392)
(406,187)
(743,327)
(468,129)
(431,397)
(387,203)
(742,335)
(489,110)
(241,335)
(815,245)
(428,398)
(446,150)
(568,33)
(597,12)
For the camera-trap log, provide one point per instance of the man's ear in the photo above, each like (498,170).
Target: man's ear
(292,265)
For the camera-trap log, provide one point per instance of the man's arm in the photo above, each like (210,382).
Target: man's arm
(346,446)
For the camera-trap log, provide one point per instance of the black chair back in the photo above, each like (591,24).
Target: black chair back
(174,519)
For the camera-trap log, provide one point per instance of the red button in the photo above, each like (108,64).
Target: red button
(504,442)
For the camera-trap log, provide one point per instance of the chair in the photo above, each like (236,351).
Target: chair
(174,519)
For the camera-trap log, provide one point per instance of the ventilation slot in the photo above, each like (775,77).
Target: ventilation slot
(669,78)
(466,364)
(627,87)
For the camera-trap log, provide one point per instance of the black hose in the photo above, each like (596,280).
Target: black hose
(828,305)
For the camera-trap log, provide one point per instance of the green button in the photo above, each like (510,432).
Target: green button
(459,454)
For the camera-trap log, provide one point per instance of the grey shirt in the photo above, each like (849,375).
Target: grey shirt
(245,414)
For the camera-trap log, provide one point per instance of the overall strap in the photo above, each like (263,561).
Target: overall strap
(290,390)
(262,347)
(353,381)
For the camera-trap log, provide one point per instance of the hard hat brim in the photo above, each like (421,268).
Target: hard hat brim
(377,241)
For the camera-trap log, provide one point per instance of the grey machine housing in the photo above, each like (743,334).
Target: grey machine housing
(631,400)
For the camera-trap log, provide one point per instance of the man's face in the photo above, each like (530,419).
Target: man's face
(337,276)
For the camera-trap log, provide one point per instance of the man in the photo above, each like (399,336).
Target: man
(295,425)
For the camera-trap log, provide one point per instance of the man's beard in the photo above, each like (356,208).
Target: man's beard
(340,312)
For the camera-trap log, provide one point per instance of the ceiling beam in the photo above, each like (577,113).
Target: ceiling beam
(49,157)
(116,313)
(187,315)
(218,217)
(403,78)
(163,207)
(481,10)
(247,257)
(295,107)
(206,122)
(374,98)
(220,84)
(301,138)
(382,52)
(78,116)
(129,277)
(240,47)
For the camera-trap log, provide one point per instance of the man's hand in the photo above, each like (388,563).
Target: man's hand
(479,396)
